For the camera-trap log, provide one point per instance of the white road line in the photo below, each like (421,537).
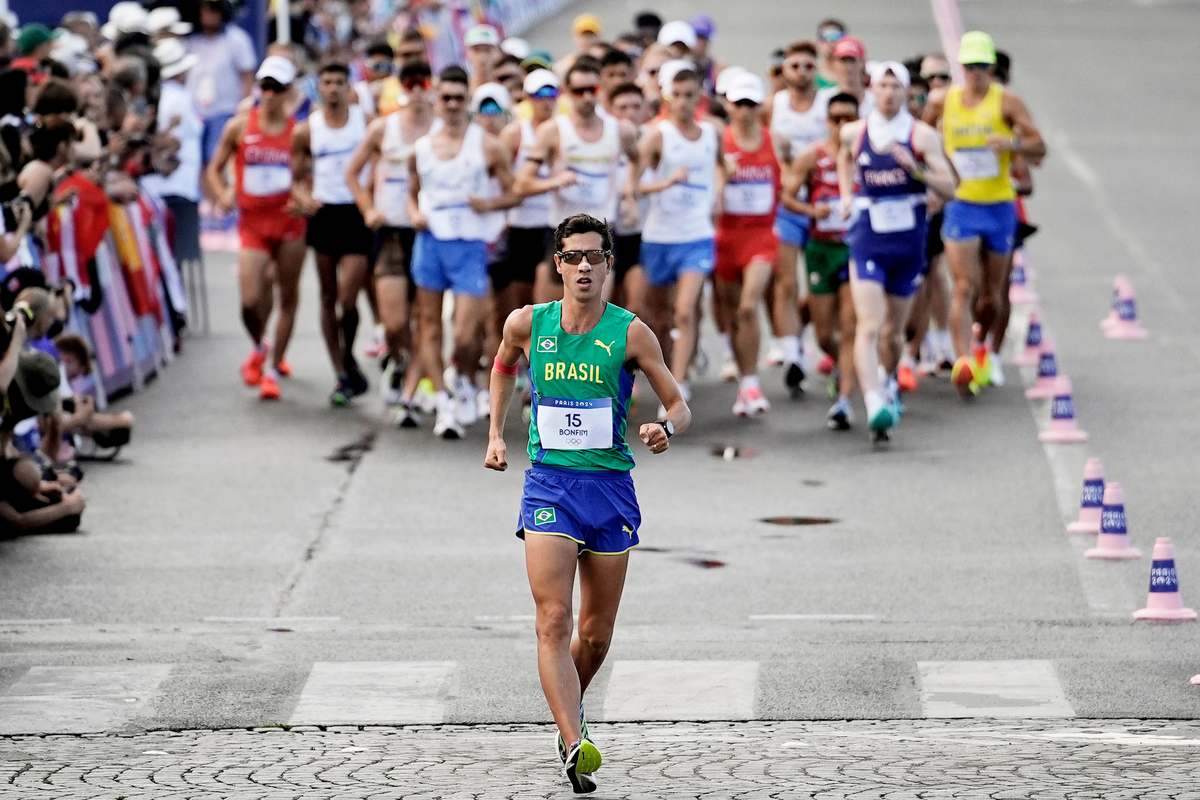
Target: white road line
(681,690)
(815,617)
(272,619)
(991,689)
(374,693)
(78,699)
(55,621)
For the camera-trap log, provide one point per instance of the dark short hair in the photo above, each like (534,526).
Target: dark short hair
(72,344)
(508,58)
(381,48)
(454,74)
(625,88)
(802,46)
(916,81)
(414,68)
(844,97)
(55,97)
(687,75)
(615,58)
(412,34)
(832,23)
(582,64)
(582,223)
(1003,68)
(334,66)
(45,138)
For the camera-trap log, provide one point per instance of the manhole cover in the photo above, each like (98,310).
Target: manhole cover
(799,520)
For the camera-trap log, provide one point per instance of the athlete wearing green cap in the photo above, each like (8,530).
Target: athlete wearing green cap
(579,510)
(983,125)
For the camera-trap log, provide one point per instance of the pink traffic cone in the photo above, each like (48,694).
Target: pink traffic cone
(1113,316)
(1062,416)
(1092,500)
(1019,292)
(1113,542)
(1163,602)
(1127,325)
(1033,342)
(1043,387)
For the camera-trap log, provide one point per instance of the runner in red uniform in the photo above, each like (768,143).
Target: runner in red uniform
(746,242)
(259,142)
(826,256)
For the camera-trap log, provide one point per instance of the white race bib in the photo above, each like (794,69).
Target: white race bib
(892,216)
(682,199)
(265,180)
(834,222)
(575,424)
(976,163)
(750,199)
(589,189)
(395,194)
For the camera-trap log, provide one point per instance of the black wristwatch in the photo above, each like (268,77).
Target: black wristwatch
(667,426)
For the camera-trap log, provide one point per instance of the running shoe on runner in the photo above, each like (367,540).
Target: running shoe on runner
(342,392)
(406,416)
(466,410)
(391,387)
(775,354)
(377,345)
(357,380)
(906,378)
(793,377)
(841,415)
(252,367)
(827,365)
(483,403)
(446,426)
(880,413)
(268,387)
(582,760)
(729,371)
(284,369)
(995,370)
(750,402)
(963,377)
(561,745)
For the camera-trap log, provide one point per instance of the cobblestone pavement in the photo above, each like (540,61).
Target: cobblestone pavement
(892,759)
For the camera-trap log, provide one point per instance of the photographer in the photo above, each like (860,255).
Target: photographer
(17,217)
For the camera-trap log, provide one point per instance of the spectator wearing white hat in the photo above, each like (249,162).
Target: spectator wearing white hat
(482,43)
(124,17)
(177,181)
(164,22)
(224,73)
(679,36)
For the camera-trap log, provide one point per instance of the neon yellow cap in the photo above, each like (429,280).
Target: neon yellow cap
(976,47)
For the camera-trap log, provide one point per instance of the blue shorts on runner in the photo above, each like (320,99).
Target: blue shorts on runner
(596,509)
(995,224)
(664,263)
(457,264)
(791,228)
(900,273)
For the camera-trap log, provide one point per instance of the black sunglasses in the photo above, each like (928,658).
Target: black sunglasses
(937,76)
(594,257)
(745,104)
(272,85)
(580,91)
(980,65)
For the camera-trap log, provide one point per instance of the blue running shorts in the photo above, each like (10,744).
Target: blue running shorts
(457,264)
(791,228)
(995,224)
(900,273)
(664,263)
(596,509)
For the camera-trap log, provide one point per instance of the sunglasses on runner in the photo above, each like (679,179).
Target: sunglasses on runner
(842,119)
(594,257)
(582,91)
(832,35)
(981,65)
(271,85)
(937,76)
(745,104)
(381,66)
(545,93)
(410,83)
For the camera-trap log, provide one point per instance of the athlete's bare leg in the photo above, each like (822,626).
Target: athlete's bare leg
(747,298)
(391,293)
(846,325)
(468,345)
(634,289)
(550,562)
(966,272)
(870,308)
(785,315)
(918,321)
(601,581)
(823,308)
(658,301)
(999,326)
(254,285)
(688,289)
(429,337)
(352,279)
(891,335)
(289,266)
(328,278)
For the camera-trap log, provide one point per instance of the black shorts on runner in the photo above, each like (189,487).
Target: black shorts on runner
(626,255)
(934,246)
(339,230)
(524,250)
(392,254)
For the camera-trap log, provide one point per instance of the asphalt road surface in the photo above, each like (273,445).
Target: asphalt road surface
(246,564)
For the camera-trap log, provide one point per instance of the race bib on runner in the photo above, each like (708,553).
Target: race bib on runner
(834,222)
(265,180)
(749,199)
(589,189)
(682,199)
(976,163)
(575,424)
(892,216)
(395,194)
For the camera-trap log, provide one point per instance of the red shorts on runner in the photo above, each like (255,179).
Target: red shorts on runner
(266,230)
(737,247)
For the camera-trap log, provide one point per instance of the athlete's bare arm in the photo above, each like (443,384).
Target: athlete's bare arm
(367,152)
(515,343)
(415,216)
(719,176)
(845,164)
(649,155)
(935,104)
(1029,142)
(783,150)
(510,137)
(302,171)
(936,173)
(629,146)
(641,346)
(543,151)
(499,164)
(796,176)
(214,175)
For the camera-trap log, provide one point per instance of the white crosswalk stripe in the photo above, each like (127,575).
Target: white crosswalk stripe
(1021,689)
(374,693)
(681,690)
(78,699)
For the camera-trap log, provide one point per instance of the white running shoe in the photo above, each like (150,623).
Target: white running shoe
(425,399)
(775,354)
(483,403)
(729,371)
(996,371)
(391,393)
(406,416)
(446,426)
(466,411)
(750,403)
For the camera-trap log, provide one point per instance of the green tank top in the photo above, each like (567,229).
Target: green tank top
(581,391)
